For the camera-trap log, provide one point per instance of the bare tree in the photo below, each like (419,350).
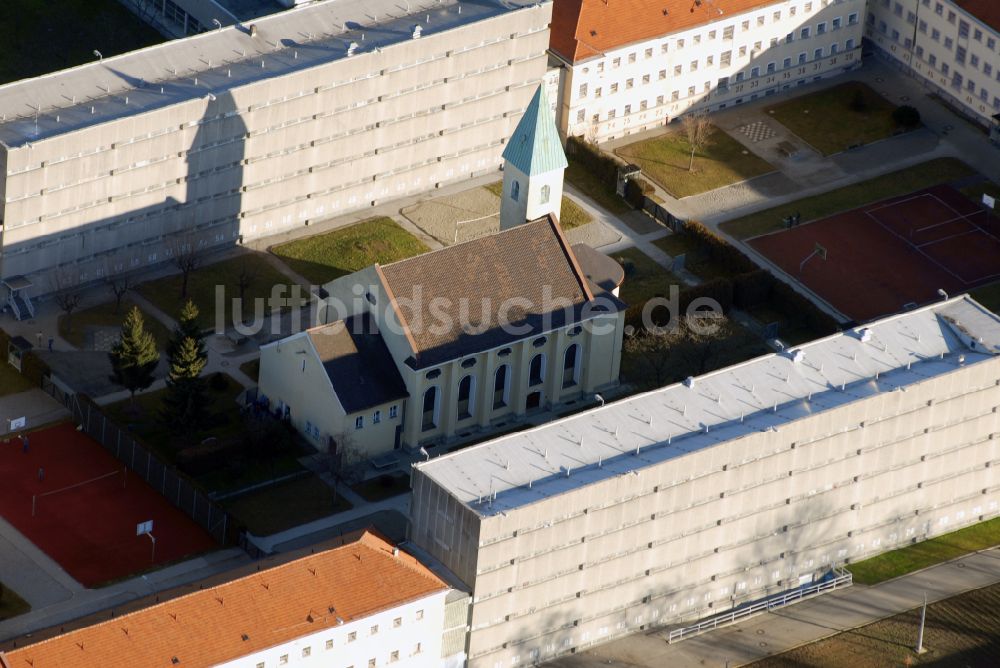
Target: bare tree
(185,256)
(244,281)
(67,293)
(698,130)
(118,282)
(346,460)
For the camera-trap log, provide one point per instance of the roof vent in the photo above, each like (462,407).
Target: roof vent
(798,355)
(395,551)
(866,335)
(689,381)
(253,29)
(416,31)
(352,48)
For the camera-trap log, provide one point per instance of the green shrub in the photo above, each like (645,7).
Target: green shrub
(598,163)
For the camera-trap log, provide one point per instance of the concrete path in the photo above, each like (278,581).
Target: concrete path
(35,406)
(809,621)
(57,601)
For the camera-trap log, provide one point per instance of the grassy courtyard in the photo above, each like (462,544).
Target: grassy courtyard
(571,214)
(578,175)
(696,260)
(927,553)
(644,279)
(960,631)
(219,279)
(850,197)
(829,121)
(721,162)
(146,423)
(74,331)
(40,38)
(286,505)
(12,382)
(11,605)
(324,257)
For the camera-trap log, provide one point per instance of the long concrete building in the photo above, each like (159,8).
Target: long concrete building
(248,130)
(685,501)
(951,46)
(629,66)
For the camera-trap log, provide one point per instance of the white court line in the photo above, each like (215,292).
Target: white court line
(965,216)
(915,247)
(948,238)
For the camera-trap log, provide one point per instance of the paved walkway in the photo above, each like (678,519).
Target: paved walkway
(809,621)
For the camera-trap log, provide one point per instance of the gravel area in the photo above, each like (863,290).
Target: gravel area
(474,213)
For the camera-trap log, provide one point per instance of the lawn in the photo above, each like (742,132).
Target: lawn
(571,214)
(12,382)
(988,296)
(165,292)
(960,631)
(927,553)
(11,605)
(696,260)
(594,188)
(828,121)
(383,486)
(644,279)
(40,38)
(145,421)
(286,505)
(850,197)
(103,315)
(324,257)
(721,162)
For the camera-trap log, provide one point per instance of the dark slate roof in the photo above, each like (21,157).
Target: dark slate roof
(358,363)
(497,278)
(602,271)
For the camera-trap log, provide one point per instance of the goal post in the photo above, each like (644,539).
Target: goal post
(819,250)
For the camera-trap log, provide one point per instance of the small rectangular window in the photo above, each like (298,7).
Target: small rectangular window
(306,651)
(394,656)
(352,636)
(420,614)
(359,422)
(329,644)
(283,659)
(392,411)
(374,629)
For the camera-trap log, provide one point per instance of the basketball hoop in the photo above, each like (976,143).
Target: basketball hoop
(818,251)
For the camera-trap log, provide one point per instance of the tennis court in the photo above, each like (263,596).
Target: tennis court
(887,255)
(77,503)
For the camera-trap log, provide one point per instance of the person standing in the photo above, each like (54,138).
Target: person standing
(24,443)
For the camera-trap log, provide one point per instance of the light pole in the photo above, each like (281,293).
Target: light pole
(920,635)
(100,57)
(218,24)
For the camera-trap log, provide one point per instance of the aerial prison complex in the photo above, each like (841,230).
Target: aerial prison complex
(249,130)
(688,500)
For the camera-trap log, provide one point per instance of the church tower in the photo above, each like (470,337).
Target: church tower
(533,167)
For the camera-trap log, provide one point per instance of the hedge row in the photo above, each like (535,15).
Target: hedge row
(595,161)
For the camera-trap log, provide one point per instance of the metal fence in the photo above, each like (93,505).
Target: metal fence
(162,477)
(656,210)
(839,581)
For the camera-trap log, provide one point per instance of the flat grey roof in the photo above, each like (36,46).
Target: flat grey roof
(219,60)
(756,396)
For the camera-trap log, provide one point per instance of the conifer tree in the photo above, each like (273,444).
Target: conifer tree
(187,327)
(134,356)
(184,404)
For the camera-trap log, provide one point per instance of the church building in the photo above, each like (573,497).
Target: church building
(469,338)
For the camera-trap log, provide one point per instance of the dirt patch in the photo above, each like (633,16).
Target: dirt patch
(463,216)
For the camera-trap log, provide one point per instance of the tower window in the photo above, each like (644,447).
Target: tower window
(515,190)
(546,193)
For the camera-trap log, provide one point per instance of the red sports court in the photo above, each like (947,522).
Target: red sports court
(83,509)
(887,255)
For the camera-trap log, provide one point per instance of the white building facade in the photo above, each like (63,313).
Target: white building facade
(684,502)
(952,46)
(241,133)
(704,57)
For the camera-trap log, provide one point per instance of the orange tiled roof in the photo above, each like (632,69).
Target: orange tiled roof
(987,11)
(270,607)
(582,29)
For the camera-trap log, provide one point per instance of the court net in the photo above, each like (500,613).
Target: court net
(35,498)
